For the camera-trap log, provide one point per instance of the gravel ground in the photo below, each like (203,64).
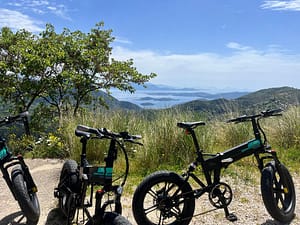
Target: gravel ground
(247,203)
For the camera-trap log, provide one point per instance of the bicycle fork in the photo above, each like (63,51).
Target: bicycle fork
(31,186)
(27,175)
(100,209)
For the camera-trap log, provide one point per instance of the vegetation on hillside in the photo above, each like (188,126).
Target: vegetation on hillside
(165,145)
(282,97)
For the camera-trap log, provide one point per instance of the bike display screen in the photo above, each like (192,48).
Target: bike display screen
(3,152)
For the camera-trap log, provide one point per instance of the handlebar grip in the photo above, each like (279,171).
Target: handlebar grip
(11,119)
(24,114)
(87,129)
(272,112)
(82,128)
(137,136)
(231,121)
(80,133)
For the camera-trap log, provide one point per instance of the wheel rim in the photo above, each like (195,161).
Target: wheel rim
(164,203)
(282,193)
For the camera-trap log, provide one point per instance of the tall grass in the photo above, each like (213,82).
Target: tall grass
(167,146)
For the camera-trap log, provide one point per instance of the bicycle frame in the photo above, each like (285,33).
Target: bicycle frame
(212,164)
(165,197)
(90,176)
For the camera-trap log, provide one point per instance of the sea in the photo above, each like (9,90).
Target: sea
(157,99)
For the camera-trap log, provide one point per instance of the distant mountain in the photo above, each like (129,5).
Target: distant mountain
(162,96)
(282,97)
(199,94)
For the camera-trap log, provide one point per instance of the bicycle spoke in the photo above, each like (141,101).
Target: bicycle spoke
(150,209)
(160,219)
(176,212)
(279,193)
(152,193)
(169,186)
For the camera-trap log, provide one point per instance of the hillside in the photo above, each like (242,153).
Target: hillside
(114,103)
(281,97)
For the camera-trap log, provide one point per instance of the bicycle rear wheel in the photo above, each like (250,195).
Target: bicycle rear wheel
(278,192)
(28,201)
(163,198)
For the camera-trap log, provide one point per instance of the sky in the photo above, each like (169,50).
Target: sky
(214,44)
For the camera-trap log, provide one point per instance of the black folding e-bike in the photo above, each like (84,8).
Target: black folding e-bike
(19,181)
(75,180)
(165,197)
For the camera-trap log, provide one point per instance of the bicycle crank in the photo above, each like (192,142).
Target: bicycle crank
(220,195)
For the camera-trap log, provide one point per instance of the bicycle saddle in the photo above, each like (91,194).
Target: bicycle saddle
(190,125)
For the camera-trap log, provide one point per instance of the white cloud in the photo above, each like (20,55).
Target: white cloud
(244,68)
(122,40)
(292,5)
(42,7)
(59,10)
(17,20)
(38,3)
(237,46)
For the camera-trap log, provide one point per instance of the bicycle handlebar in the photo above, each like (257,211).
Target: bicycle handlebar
(82,130)
(11,119)
(266,113)
(23,116)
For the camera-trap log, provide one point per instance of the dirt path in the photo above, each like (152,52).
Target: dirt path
(247,203)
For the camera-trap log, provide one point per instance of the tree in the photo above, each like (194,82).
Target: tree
(24,68)
(62,69)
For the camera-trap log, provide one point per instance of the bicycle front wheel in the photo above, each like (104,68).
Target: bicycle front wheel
(68,181)
(278,192)
(109,218)
(163,198)
(28,201)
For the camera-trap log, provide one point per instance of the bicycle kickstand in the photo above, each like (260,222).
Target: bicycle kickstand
(230,216)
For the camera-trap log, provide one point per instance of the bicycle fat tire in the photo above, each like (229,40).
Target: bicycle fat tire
(68,180)
(279,198)
(69,176)
(28,202)
(109,218)
(177,210)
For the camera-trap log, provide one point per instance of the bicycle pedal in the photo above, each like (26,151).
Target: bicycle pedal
(231,217)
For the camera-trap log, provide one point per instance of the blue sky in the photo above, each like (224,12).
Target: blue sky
(228,45)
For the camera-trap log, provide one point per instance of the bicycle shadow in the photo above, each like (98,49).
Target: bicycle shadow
(55,217)
(274,222)
(13,219)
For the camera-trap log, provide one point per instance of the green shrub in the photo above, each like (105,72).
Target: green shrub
(165,145)
(284,131)
(50,146)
